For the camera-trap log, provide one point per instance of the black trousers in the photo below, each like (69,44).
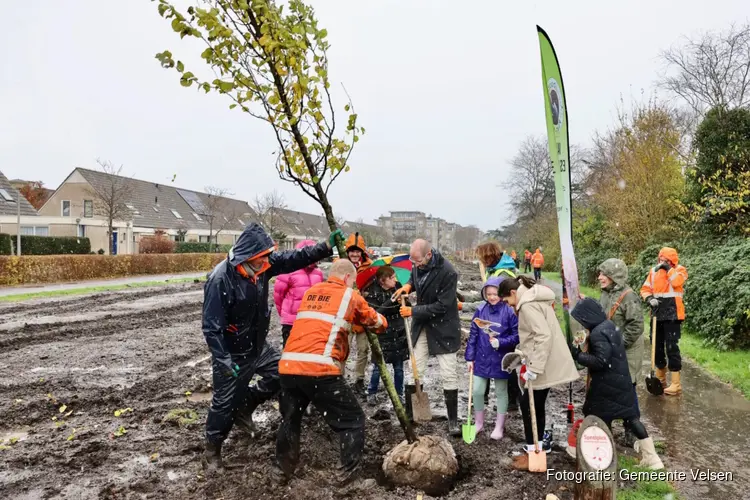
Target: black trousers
(540,399)
(668,339)
(285,331)
(233,395)
(527,266)
(336,402)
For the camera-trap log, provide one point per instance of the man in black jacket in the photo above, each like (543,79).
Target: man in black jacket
(236,316)
(436,327)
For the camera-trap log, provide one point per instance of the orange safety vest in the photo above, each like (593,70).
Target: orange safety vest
(527,255)
(666,286)
(318,344)
(537,260)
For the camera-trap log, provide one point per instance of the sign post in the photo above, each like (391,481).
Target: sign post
(596,456)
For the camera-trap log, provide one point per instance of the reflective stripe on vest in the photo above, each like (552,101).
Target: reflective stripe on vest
(665,295)
(337,323)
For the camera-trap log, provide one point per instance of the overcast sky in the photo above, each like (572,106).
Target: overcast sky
(446,91)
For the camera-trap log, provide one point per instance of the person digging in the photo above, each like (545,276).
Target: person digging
(235,321)
(663,291)
(312,370)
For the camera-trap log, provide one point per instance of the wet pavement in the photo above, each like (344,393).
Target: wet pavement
(704,428)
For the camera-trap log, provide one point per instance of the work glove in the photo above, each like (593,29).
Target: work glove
(495,343)
(527,375)
(405,311)
(663,265)
(332,237)
(231,369)
(401,291)
(653,302)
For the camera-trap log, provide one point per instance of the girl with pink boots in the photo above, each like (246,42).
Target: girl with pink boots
(494,333)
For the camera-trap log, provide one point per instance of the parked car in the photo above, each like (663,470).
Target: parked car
(386,251)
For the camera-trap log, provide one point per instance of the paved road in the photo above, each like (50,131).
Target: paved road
(23,289)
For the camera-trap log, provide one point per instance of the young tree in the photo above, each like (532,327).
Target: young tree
(271,60)
(110,197)
(218,212)
(710,71)
(269,208)
(35,193)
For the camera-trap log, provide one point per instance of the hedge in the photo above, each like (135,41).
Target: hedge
(45,245)
(195,247)
(57,268)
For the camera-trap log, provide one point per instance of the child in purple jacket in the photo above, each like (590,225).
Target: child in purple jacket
(485,350)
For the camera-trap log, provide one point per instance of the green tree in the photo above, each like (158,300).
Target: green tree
(271,61)
(719,184)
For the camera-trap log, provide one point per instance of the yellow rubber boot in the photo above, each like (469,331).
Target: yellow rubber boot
(661,374)
(675,387)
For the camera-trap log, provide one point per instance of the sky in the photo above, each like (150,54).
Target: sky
(445,90)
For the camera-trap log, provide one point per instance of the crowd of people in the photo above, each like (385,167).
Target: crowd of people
(515,340)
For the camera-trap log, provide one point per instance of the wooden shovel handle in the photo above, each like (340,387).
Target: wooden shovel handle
(532,410)
(411,349)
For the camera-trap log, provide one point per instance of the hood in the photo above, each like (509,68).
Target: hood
(536,293)
(589,313)
(495,281)
(616,270)
(671,255)
(253,242)
(538,250)
(506,262)
(357,241)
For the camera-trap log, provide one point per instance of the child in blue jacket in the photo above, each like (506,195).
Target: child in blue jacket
(485,350)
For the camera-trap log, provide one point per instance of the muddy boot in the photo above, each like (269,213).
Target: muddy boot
(244,421)
(479,420)
(675,388)
(628,438)
(661,374)
(499,431)
(451,407)
(212,458)
(278,476)
(649,458)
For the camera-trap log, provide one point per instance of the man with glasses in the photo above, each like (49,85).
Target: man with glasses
(436,328)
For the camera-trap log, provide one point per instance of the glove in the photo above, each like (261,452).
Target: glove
(405,311)
(527,375)
(574,352)
(470,366)
(233,370)
(401,291)
(653,302)
(332,237)
(460,306)
(663,265)
(495,343)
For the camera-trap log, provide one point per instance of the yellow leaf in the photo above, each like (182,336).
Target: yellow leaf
(63,408)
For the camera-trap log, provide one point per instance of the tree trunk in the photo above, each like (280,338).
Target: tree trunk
(371,337)
(111,240)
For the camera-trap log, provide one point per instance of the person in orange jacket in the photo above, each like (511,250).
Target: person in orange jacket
(526,261)
(356,252)
(537,262)
(663,290)
(312,370)
(514,256)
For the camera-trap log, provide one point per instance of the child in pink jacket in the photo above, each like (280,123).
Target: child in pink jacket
(290,289)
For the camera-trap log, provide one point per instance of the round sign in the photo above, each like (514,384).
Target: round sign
(596,448)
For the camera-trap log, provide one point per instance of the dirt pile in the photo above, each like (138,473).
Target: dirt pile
(429,464)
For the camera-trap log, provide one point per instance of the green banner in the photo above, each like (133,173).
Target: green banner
(556,112)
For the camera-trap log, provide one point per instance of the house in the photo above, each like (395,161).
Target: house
(83,198)
(31,223)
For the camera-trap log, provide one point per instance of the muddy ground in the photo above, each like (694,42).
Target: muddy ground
(68,365)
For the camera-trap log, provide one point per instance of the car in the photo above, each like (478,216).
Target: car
(386,251)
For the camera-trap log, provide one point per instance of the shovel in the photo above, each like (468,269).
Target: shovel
(469,431)
(653,384)
(538,457)
(420,404)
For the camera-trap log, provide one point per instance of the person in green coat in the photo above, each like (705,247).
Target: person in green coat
(623,307)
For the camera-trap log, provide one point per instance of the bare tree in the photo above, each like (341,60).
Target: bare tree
(532,183)
(269,209)
(712,70)
(218,212)
(111,196)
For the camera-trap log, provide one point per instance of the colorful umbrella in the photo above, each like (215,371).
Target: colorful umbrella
(400,263)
